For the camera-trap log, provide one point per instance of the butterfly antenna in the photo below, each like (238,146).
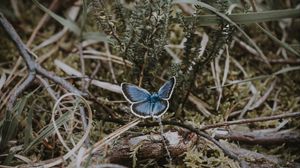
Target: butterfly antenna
(163,139)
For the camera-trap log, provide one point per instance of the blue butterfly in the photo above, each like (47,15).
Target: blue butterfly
(146,105)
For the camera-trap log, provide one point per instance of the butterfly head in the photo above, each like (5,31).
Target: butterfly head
(154,98)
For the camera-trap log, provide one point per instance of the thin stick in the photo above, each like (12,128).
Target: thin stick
(30,78)
(247,121)
(43,72)
(33,67)
(18,42)
(208,137)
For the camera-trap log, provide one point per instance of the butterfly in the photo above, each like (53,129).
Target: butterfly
(145,104)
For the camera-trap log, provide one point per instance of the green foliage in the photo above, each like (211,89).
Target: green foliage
(141,31)
(192,62)
(139,34)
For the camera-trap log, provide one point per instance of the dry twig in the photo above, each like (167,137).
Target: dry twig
(262,137)
(31,65)
(252,120)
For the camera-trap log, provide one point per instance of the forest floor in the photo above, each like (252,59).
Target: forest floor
(236,97)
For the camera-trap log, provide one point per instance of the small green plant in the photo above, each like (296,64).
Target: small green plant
(140,32)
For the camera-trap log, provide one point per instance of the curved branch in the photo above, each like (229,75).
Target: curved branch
(30,78)
(32,66)
(18,42)
(56,79)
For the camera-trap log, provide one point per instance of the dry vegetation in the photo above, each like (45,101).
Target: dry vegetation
(236,101)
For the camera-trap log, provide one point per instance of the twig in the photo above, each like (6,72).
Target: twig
(254,159)
(182,125)
(48,88)
(206,136)
(30,78)
(150,146)
(264,97)
(199,131)
(58,80)
(18,42)
(247,121)
(262,137)
(31,65)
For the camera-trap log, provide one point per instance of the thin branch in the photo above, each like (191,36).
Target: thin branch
(48,88)
(262,137)
(206,136)
(200,132)
(182,125)
(252,120)
(56,79)
(32,66)
(30,78)
(18,42)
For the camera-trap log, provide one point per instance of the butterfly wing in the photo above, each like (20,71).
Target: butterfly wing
(166,90)
(134,93)
(147,109)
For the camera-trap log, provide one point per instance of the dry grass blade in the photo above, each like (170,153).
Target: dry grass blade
(245,46)
(203,43)
(92,54)
(67,23)
(225,74)
(216,75)
(282,71)
(238,65)
(54,5)
(67,69)
(264,97)
(2,80)
(248,105)
(281,43)
(72,14)
(248,18)
(204,5)
(104,85)
(111,68)
(226,67)
(202,106)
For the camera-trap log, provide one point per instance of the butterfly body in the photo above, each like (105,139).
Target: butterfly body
(145,104)
(153,98)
